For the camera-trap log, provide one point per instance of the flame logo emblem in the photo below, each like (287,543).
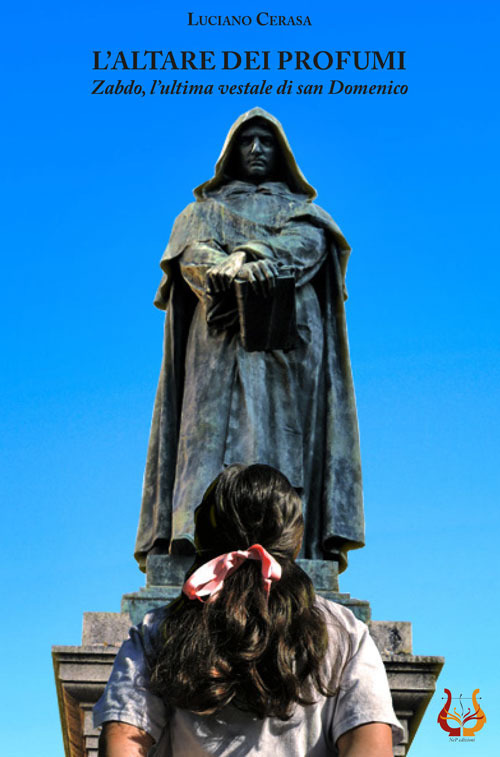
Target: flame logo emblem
(454,722)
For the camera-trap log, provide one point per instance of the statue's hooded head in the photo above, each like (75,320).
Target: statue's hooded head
(230,165)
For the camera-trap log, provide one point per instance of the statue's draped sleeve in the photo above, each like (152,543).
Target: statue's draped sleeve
(199,225)
(200,240)
(194,264)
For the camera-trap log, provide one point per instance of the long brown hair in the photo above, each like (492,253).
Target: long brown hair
(262,654)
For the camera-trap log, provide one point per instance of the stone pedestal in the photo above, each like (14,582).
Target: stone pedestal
(165,576)
(81,672)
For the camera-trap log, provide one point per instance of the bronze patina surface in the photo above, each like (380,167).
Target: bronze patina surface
(219,403)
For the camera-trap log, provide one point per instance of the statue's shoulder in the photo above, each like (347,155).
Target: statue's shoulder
(199,217)
(322,215)
(199,209)
(187,214)
(316,215)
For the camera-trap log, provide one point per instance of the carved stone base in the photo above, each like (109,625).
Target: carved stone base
(165,576)
(81,672)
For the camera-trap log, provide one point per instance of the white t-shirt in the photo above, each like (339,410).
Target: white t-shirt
(363,696)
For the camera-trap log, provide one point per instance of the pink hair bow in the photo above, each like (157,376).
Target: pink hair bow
(208,580)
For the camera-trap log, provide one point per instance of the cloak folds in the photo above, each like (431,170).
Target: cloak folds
(217,403)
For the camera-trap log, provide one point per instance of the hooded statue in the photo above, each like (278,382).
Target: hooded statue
(218,403)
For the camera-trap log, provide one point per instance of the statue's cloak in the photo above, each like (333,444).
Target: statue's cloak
(334,510)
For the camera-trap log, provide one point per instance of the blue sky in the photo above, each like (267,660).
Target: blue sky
(92,185)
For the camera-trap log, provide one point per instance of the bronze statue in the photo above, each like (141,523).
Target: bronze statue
(291,405)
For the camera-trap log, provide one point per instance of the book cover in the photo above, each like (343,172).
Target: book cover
(113,113)
(267,320)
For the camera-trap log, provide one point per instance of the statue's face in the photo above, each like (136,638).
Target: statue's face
(256,146)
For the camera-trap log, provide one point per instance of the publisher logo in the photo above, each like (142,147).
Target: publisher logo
(465,721)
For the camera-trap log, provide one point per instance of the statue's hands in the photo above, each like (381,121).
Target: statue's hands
(220,277)
(261,274)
